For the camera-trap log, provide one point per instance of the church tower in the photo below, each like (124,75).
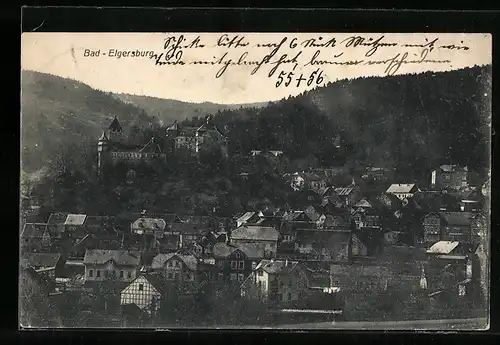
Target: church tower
(102,153)
(115,131)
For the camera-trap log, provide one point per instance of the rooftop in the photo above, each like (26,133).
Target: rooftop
(120,257)
(277,266)
(190,260)
(255,233)
(401,188)
(443,247)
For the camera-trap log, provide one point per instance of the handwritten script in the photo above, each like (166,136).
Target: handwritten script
(293,60)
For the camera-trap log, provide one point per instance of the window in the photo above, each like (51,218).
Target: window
(232,276)
(461,290)
(260,273)
(254,264)
(169,264)
(121,274)
(282,283)
(98,273)
(241,277)
(289,296)
(176,263)
(234,265)
(289,283)
(91,273)
(241,265)
(141,287)
(129,274)
(238,255)
(280,297)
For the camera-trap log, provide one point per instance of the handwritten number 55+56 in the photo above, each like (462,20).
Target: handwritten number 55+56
(287,78)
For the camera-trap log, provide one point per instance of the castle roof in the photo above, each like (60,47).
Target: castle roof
(103,137)
(115,125)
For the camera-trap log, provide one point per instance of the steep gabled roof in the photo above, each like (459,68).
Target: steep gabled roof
(190,260)
(42,259)
(401,188)
(115,126)
(120,257)
(33,230)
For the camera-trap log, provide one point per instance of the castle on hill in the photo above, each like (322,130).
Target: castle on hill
(113,146)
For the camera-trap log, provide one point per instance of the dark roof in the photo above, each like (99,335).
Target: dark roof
(157,280)
(33,230)
(115,125)
(362,270)
(252,251)
(120,257)
(456,218)
(42,280)
(255,233)
(190,260)
(37,260)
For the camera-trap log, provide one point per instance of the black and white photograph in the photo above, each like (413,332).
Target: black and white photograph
(255,180)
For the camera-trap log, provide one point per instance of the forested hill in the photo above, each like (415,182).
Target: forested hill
(57,112)
(410,122)
(169,110)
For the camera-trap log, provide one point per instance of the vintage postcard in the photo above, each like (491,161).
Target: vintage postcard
(255,180)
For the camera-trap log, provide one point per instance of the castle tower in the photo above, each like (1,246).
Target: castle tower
(102,152)
(115,130)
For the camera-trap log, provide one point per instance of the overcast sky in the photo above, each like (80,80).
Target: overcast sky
(62,54)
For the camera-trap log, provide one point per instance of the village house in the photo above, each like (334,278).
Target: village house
(409,267)
(323,244)
(147,292)
(378,174)
(391,237)
(471,200)
(450,176)
(451,265)
(453,226)
(117,265)
(349,195)
(247,218)
(297,181)
(316,216)
(148,226)
(358,247)
(266,236)
(176,267)
(50,265)
(276,282)
(402,190)
(194,139)
(236,262)
(365,215)
(329,198)
(35,237)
